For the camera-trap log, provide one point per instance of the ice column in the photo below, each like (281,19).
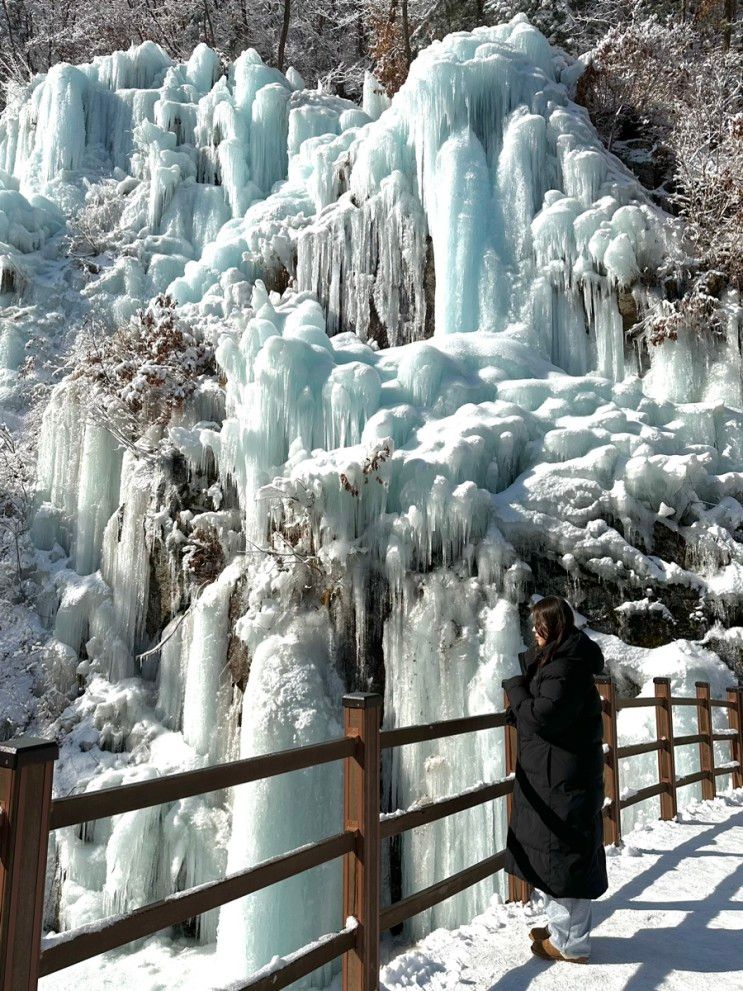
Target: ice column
(205,647)
(292,699)
(459,228)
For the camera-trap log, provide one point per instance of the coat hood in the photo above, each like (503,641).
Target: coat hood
(579,647)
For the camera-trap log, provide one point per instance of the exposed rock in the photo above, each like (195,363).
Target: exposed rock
(238,655)
(627,307)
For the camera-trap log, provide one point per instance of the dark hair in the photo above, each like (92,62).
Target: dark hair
(555,621)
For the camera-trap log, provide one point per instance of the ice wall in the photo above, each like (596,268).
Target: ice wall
(448,646)
(529,219)
(432,470)
(428,473)
(78,480)
(480,198)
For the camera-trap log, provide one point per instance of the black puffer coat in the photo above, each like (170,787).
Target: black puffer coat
(555,837)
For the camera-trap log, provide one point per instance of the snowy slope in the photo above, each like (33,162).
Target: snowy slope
(430,402)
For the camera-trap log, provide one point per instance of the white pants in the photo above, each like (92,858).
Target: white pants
(569,924)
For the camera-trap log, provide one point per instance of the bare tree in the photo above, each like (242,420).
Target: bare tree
(286,21)
(729,18)
(406,32)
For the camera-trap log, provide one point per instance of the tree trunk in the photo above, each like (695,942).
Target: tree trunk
(11,38)
(208,26)
(730,12)
(18,563)
(406,33)
(281,54)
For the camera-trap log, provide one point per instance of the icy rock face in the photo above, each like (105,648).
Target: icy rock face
(480,197)
(191,146)
(458,433)
(25,224)
(447,646)
(78,477)
(434,471)
(72,110)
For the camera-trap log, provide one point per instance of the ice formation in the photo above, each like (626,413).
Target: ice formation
(430,411)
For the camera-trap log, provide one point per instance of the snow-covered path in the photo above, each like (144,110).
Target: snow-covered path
(672,920)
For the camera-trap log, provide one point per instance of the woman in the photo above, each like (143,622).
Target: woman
(555,837)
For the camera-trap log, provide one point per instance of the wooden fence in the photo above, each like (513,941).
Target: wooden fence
(28,814)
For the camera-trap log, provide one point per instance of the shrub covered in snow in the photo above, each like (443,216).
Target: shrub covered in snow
(204,557)
(143,374)
(665,93)
(92,229)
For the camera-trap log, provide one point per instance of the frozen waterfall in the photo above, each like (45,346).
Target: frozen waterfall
(425,410)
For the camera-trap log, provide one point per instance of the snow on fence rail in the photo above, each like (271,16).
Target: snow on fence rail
(28,814)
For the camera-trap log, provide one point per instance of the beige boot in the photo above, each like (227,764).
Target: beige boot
(546,951)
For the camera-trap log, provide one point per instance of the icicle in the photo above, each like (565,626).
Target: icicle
(206,648)
(269,128)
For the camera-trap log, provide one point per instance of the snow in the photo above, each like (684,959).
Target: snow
(641,606)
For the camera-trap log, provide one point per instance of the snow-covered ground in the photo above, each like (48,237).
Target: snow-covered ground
(672,920)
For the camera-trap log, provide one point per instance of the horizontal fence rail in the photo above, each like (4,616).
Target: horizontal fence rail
(73,947)
(403,910)
(641,702)
(302,963)
(107,802)
(400,822)
(643,794)
(28,814)
(437,731)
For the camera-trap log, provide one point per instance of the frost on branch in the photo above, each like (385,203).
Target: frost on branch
(204,557)
(666,97)
(143,374)
(15,493)
(91,231)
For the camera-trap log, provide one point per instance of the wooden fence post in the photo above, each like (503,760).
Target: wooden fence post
(735,721)
(706,746)
(518,890)
(361,868)
(666,761)
(26,771)
(509,739)
(613,821)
